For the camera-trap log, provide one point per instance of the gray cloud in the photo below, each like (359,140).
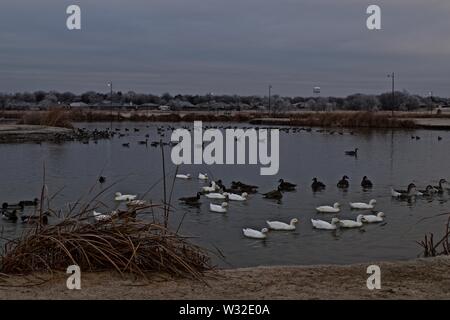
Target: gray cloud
(232,46)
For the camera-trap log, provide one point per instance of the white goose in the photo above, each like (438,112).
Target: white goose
(323,225)
(329,209)
(216,195)
(254,234)
(362,205)
(124,197)
(236,197)
(277,225)
(183,176)
(203,176)
(352,224)
(211,188)
(218,208)
(373,219)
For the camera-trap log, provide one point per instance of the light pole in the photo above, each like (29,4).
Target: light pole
(110,85)
(392,76)
(270,93)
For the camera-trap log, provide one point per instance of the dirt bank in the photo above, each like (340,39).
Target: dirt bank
(418,279)
(12,133)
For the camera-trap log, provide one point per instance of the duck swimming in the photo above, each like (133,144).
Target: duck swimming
(254,234)
(317,185)
(352,153)
(363,206)
(366,183)
(440,188)
(276,225)
(343,183)
(236,197)
(183,176)
(191,200)
(373,219)
(275,194)
(286,186)
(124,197)
(218,208)
(329,209)
(352,224)
(323,225)
(10,215)
(410,192)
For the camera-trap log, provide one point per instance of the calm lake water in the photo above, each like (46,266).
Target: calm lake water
(387,158)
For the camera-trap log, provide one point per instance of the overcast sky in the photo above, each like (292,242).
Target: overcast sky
(225,46)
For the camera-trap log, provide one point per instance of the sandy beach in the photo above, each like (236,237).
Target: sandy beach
(417,279)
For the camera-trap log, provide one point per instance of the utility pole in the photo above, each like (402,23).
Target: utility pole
(110,85)
(392,76)
(270,92)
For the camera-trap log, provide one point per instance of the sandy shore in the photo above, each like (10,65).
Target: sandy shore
(418,279)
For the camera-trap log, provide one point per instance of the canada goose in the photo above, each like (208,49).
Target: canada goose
(126,145)
(35,219)
(254,234)
(18,206)
(440,188)
(410,192)
(144,142)
(276,225)
(429,191)
(286,186)
(28,203)
(9,215)
(352,153)
(191,200)
(275,194)
(317,185)
(366,183)
(343,183)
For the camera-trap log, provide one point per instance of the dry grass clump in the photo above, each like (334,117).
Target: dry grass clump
(122,245)
(431,249)
(350,120)
(57,117)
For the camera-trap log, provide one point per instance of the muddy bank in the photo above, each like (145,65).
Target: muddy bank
(417,279)
(17,133)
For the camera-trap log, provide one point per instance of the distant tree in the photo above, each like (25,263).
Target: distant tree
(361,102)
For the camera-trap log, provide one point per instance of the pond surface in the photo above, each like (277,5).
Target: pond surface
(387,158)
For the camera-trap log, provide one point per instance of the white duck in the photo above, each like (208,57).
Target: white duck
(373,219)
(254,234)
(216,195)
(203,176)
(183,176)
(211,188)
(136,203)
(101,217)
(323,225)
(236,197)
(124,197)
(218,208)
(362,205)
(276,225)
(352,224)
(329,209)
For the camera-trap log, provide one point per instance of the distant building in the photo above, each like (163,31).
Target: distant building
(164,108)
